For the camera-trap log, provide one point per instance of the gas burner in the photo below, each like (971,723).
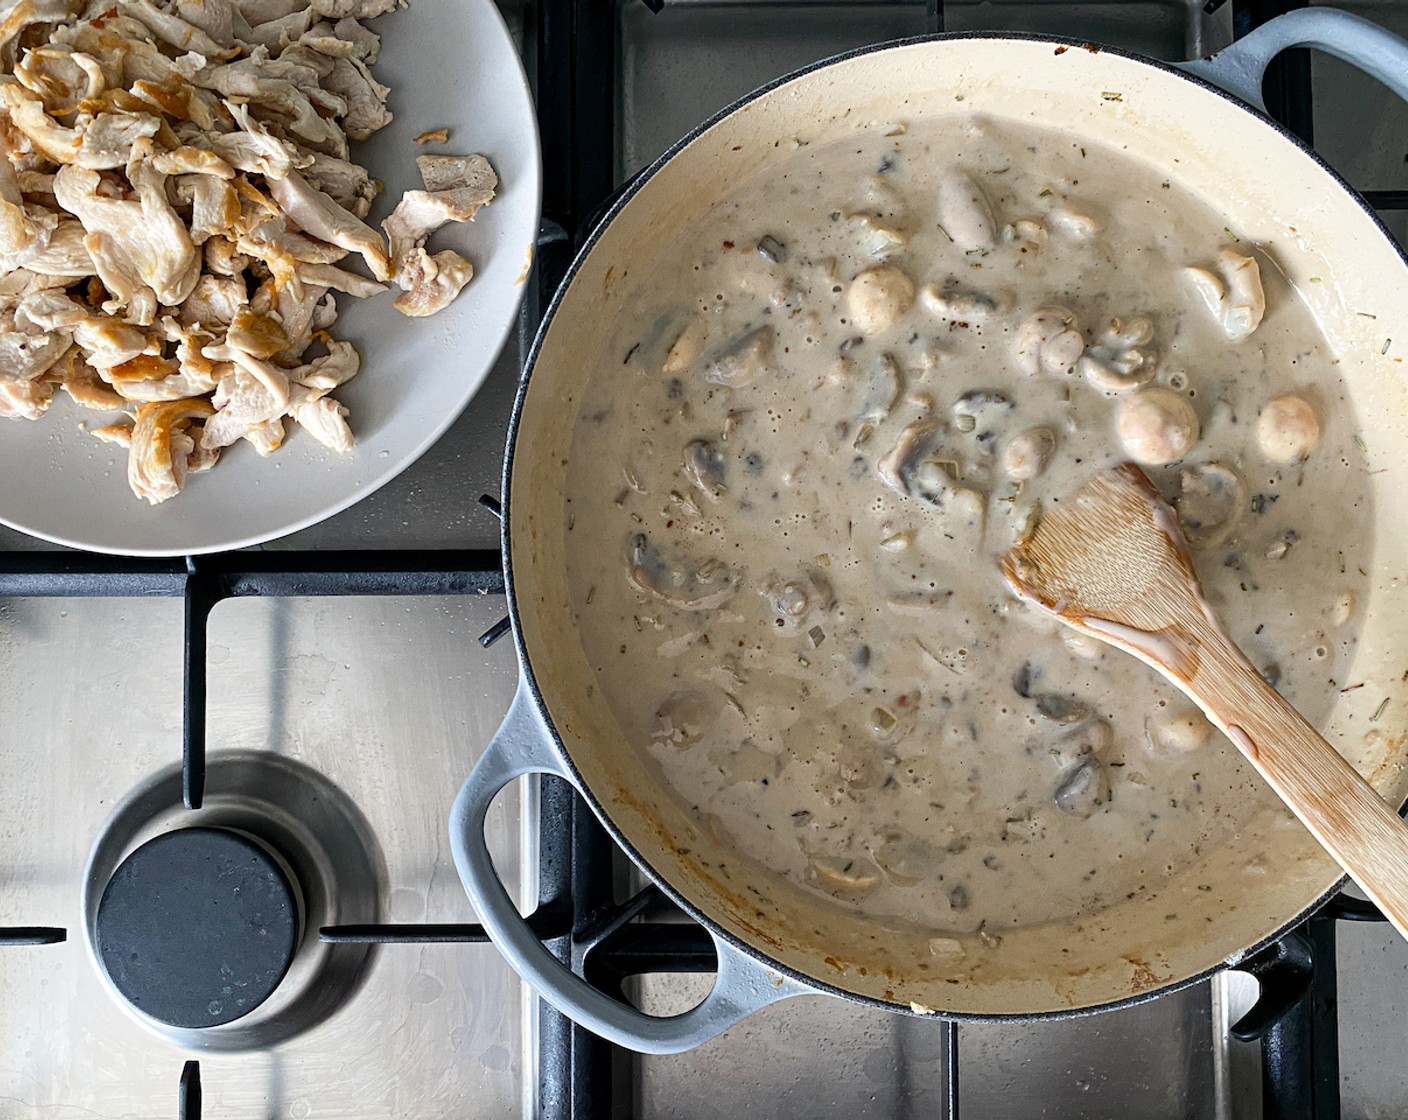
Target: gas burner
(204,923)
(197,927)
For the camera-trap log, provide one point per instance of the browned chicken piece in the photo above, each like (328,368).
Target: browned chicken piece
(431,281)
(24,400)
(272,379)
(346,38)
(318,215)
(337,367)
(365,97)
(330,276)
(156,470)
(286,92)
(274,235)
(65,255)
(27,357)
(254,148)
(222,20)
(49,138)
(256,12)
(171,28)
(108,139)
(25,231)
(214,203)
(353,9)
(326,421)
(266,438)
(119,433)
(189,160)
(213,302)
(22,13)
(457,186)
(274,33)
(81,382)
(346,183)
(243,402)
(256,334)
(61,76)
(141,248)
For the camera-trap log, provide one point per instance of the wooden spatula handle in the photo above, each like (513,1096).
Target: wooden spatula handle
(1353,823)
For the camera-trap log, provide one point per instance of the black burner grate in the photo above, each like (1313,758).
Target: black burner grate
(575,46)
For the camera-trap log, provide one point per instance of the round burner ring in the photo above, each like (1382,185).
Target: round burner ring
(197,927)
(322,848)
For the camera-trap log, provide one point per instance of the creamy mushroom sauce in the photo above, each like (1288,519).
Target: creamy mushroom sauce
(845,393)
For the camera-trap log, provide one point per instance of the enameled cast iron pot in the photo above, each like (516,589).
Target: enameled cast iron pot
(1198,124)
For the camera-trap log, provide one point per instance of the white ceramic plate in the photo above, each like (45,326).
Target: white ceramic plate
(449,65)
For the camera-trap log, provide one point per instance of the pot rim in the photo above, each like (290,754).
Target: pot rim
(631,189)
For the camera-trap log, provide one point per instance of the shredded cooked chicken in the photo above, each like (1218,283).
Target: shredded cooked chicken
(178,206)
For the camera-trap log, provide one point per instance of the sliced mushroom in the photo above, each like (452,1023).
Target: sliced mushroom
(1091,738)
(965,305)
(743,360)
(859,765)
(795,600)
(703,587)
(905,858)
(1049,342)
(687,347)
(900,466)
(1236,299)
(683,717)
(1179,729)
(1121,334)
(880,220)
(1027,234)
(978,409)
(1083,789)
(1210,502)
(704,466)
(1116,372)
(883,385)
(1073,223)
(965,213)
(1061,707)
(846,874)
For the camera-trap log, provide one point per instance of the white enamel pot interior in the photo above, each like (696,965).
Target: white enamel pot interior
(1298,214)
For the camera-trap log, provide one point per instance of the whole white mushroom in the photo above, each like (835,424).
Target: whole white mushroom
(1287,429)
(1156,426)
(878,297)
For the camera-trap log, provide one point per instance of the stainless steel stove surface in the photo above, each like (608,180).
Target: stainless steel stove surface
(339,730)
(309,749)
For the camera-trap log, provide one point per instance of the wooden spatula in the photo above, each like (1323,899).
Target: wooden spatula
(1111,562)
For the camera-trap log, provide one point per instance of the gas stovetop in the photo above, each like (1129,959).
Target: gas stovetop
(301,717)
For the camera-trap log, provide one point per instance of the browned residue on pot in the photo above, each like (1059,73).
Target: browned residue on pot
(1144,976)
(737,903)
(1393,753)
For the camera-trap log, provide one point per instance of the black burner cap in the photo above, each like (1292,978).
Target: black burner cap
(197,927)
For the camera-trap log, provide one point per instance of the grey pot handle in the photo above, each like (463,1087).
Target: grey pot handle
(1241,68)
(523,745)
